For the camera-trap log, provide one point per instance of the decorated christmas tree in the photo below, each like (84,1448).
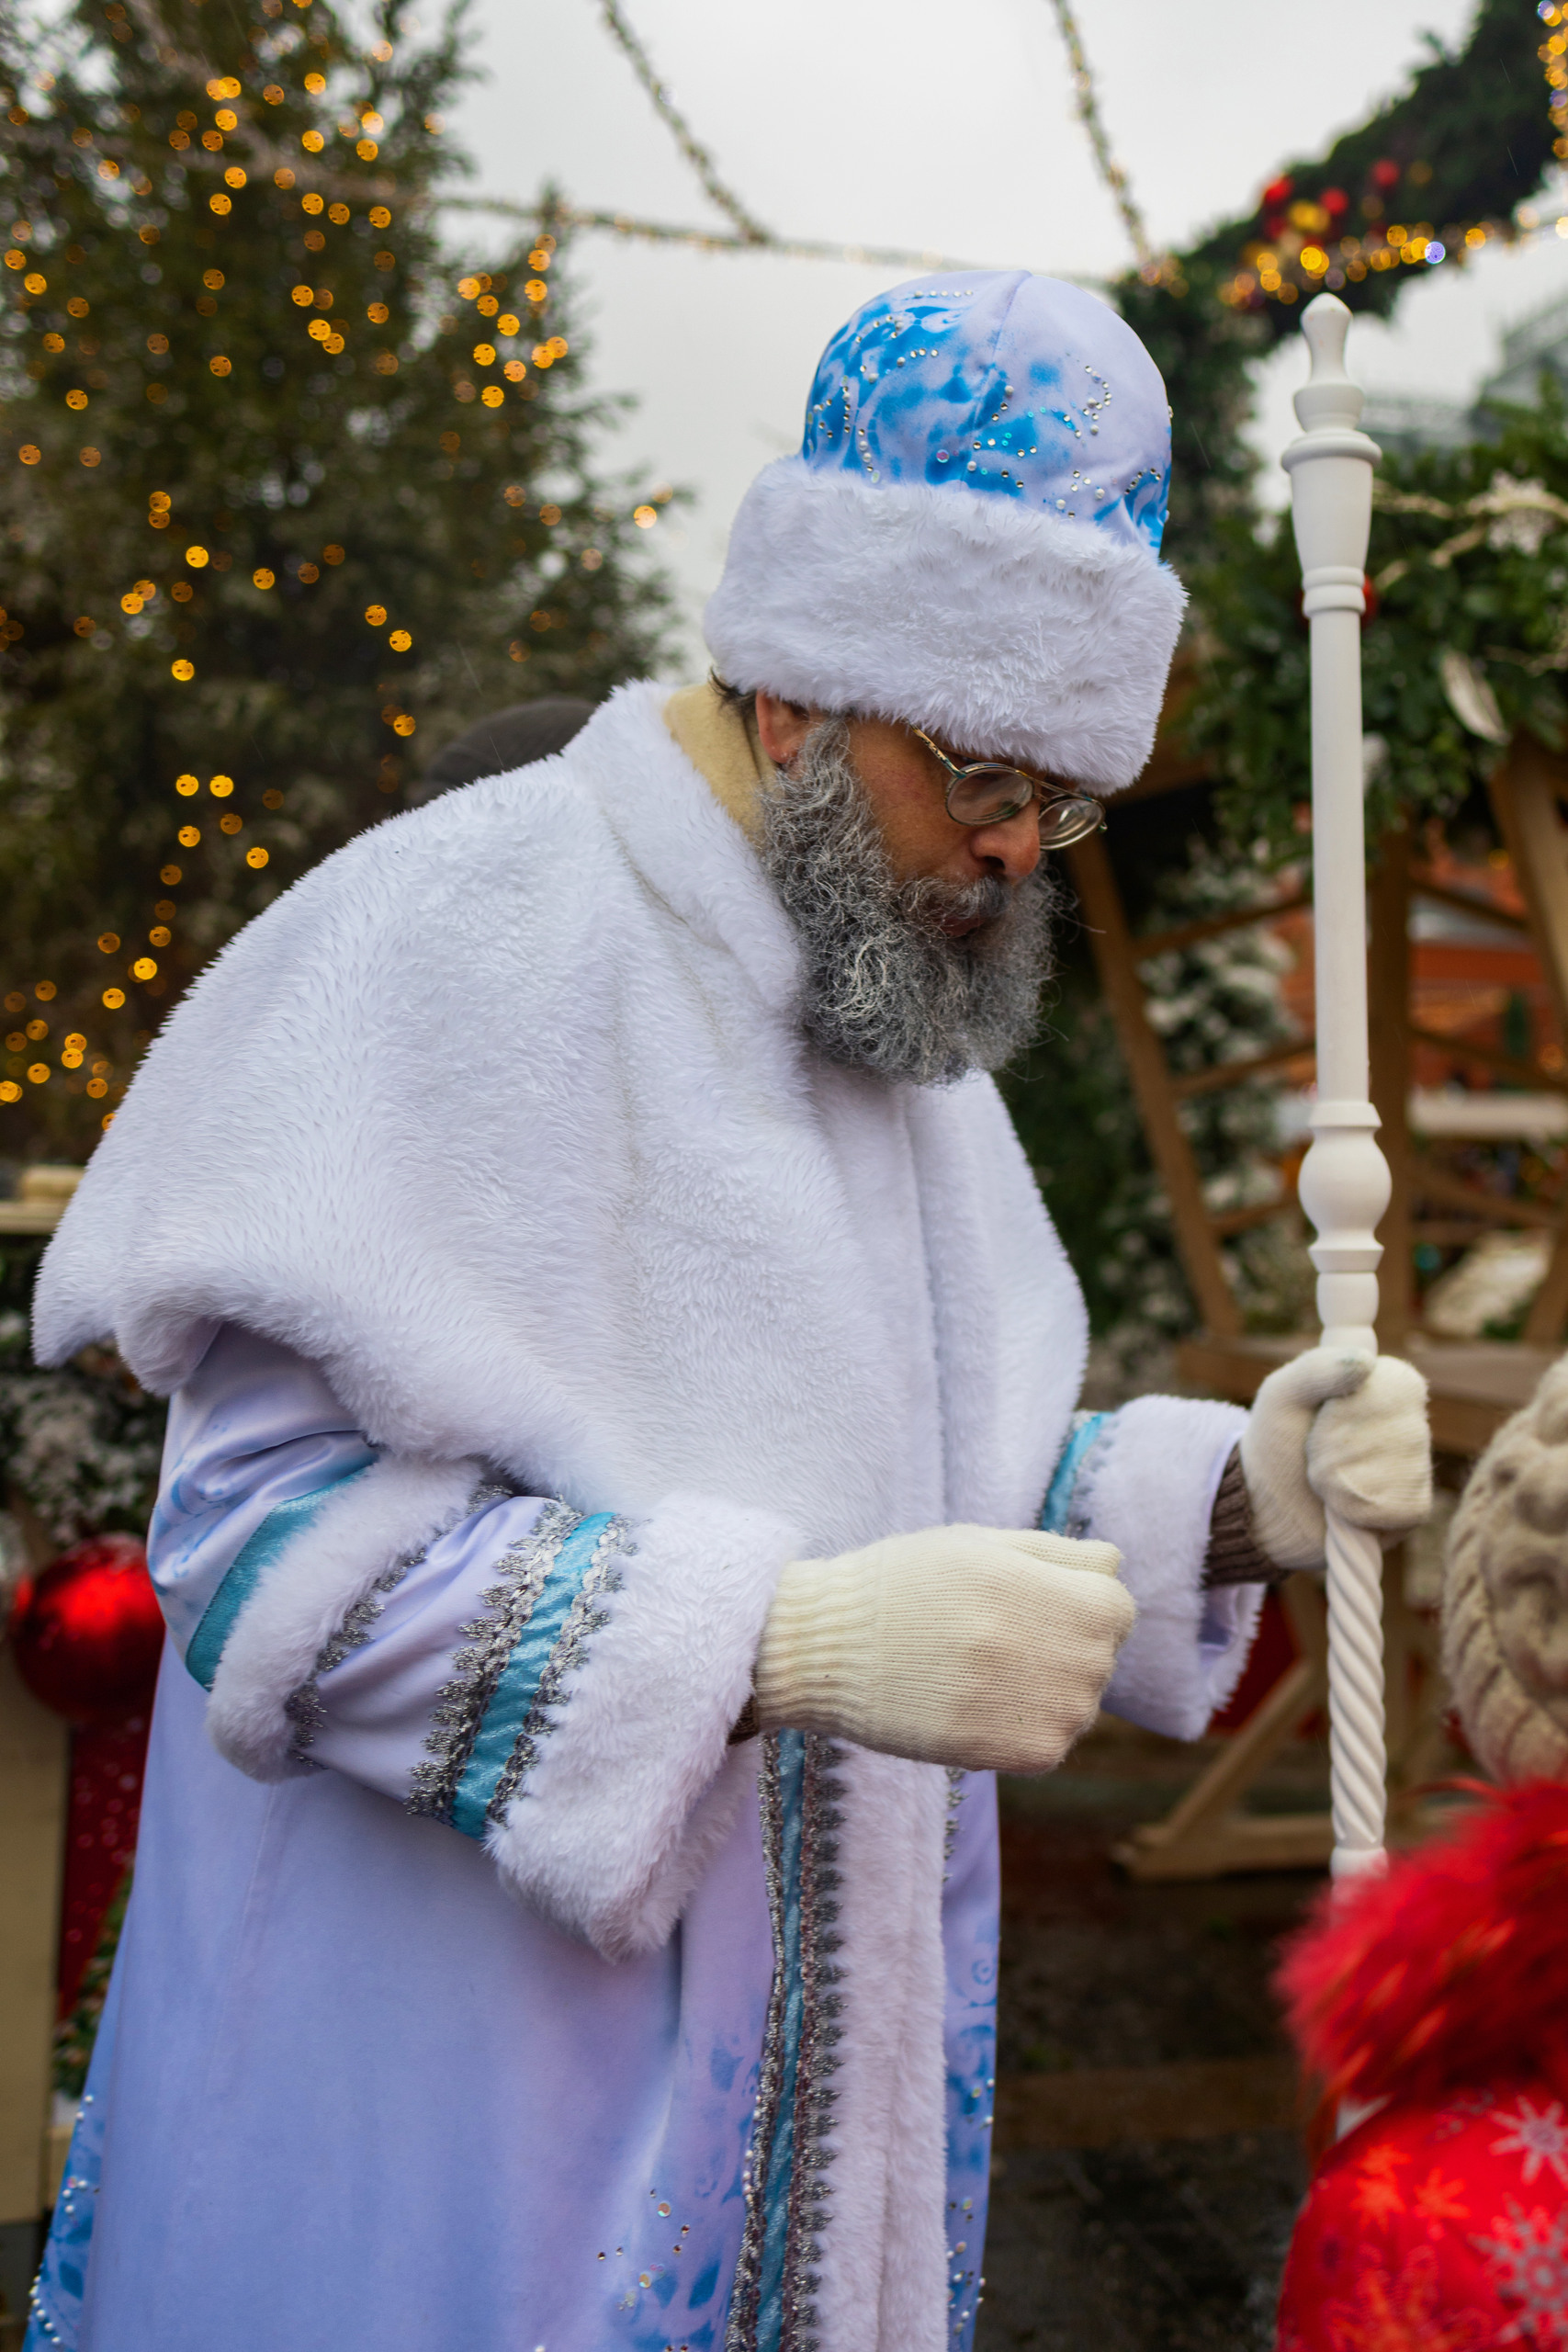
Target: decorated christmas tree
(287,494)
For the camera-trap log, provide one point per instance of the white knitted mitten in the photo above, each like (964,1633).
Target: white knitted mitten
(1340,1427)
(982,1648)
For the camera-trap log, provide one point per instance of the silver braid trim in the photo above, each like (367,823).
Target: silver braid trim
(586,1615)
(808,2191)
(958,1789)
(303,1707)
(520,1576)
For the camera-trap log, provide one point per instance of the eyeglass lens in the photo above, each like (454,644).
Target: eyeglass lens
(991,796)
(1062,821)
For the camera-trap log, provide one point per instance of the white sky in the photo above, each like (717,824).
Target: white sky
(929,125)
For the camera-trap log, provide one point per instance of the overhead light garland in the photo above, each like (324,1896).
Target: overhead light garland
(560,215)
(749,235)
(1307,242)
(1153,268)
(749,232)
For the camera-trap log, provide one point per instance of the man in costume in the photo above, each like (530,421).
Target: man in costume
(623,1491)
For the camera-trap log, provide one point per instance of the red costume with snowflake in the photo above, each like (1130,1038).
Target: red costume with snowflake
(1440,2222)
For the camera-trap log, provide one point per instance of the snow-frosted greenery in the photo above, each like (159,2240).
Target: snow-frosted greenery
(1468,560)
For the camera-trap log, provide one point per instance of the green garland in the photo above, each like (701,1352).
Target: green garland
(1468,640)
(1469,140)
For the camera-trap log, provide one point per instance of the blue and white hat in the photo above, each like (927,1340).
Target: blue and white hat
(969,538)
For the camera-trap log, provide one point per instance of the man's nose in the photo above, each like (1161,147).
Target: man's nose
(1012,849)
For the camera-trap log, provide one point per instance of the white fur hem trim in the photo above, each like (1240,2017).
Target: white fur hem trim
(397,1506)
(882,2281)
(1148,1486)
(639,1786)
(1001,629)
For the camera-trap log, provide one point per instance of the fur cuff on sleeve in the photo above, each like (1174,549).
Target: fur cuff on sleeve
(376,1524)
(1148,1486)
(639,1786)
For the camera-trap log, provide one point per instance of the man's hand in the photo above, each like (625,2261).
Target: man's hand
(982,1648)
(1341,1429)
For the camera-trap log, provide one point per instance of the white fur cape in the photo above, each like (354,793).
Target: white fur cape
(503,1119)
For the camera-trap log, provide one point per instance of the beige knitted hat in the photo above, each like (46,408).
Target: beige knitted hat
(1505,1593)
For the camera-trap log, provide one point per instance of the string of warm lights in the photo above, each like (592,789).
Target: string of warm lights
(1306,244)
(505,335)
(143,970)
(631,225)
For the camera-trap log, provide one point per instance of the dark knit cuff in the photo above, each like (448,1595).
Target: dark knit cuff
(1235,1555)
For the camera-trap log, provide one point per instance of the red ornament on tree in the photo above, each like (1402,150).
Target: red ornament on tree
(88,1631)
(1278,192)
(1385,175)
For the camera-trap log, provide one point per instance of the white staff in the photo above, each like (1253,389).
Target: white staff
(1344,1183)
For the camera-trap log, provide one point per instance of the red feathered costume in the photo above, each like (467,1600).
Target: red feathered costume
(1440,2222)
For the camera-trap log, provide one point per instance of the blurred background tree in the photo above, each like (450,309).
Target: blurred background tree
(287,495)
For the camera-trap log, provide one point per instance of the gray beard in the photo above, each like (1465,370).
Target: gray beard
(885,989)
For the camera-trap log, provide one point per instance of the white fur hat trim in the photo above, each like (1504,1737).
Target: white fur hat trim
(1005,632)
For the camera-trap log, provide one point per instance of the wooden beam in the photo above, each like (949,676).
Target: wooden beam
(1223,1074)
(1188,935)
(1216,1365)
(1430,1183)
(1260,1212)
(1525,789)
(33,1769)
(1424,885)
(1549,1308)
(1466,1050)
(1183,1844)
(1106,923)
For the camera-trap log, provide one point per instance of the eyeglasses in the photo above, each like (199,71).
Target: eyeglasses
(985,793)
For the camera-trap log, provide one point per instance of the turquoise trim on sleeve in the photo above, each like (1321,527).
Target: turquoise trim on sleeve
(1058,1513)
(517,1686)
(279,1528)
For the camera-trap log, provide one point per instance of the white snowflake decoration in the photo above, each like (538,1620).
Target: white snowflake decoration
(1530,2264)
(1539,2136)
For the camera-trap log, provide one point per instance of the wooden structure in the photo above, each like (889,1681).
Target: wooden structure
(34,1766)
(1474,1385)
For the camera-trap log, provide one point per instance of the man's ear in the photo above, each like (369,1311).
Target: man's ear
(783,727)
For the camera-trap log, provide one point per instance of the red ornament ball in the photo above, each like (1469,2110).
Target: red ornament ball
(88,1631)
